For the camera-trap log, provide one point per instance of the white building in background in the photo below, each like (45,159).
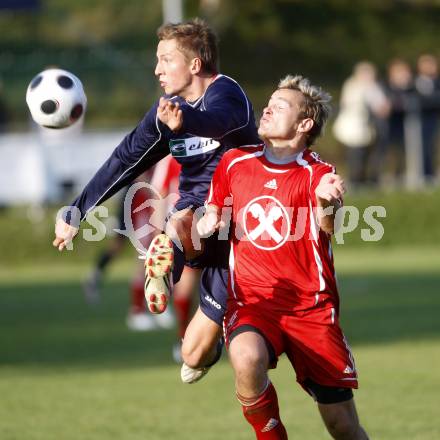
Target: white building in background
(36,167)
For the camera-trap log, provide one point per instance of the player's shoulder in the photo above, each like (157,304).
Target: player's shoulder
(314,160)
(225,84)
(243,152)
(222,80)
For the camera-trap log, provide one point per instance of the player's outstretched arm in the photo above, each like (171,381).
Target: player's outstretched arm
(329,194)
(210,222)
(139,150)
(64,234)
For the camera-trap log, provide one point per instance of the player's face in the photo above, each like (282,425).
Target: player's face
(281,115)
(173,70)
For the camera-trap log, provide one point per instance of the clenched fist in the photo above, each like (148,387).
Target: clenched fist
(331,188)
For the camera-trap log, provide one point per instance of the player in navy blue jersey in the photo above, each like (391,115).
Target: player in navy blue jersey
(202,115)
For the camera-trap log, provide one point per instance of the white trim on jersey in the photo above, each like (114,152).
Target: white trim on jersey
(313,226)
(273,170)
(330,250)
(315,156)
(202,98)
(305,164)
(350,355)
(318,260)
(316,298)
(246,156)
(231,269)
(195,103)
(210,194)
(245,98)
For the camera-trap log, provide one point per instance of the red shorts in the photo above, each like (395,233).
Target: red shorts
(312,340)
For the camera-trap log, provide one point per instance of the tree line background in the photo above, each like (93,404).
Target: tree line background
(110,45)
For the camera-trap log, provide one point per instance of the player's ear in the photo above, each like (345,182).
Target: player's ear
(306,125)
(195,66)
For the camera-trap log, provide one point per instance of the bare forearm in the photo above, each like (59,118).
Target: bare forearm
(210,222)
(212,209)
(326,214)
(328,199)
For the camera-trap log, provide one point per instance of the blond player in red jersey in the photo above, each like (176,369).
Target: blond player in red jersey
(283,295)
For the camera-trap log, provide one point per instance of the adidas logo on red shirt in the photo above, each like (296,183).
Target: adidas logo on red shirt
(272,184)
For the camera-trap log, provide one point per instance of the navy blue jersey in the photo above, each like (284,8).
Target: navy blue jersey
(221,119)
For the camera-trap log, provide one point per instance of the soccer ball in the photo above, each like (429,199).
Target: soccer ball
(56,98)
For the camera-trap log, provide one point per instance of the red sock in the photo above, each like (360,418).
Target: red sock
(182,307)
(137,296)
(264,416)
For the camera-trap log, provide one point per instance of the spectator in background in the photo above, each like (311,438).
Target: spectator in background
(427,84)
(360,123)
(361,119)
(403,98)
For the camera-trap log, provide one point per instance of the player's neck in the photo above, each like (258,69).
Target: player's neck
(280,160)
(281,149)
(198,87)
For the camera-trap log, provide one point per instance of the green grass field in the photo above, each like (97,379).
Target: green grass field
(69,372)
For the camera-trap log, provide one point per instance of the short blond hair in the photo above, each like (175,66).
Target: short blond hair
(316,104)
(194,39)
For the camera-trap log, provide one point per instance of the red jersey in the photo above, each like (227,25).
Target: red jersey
(166,175)
(279,255)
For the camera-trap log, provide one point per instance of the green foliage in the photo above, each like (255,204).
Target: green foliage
(111,45)
(28,233)
(323,39)
(411,219)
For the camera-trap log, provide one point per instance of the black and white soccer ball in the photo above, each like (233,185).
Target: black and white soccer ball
(56,98)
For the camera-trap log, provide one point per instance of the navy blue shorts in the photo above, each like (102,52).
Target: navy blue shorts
(213,289)
(216,252)
(213,292)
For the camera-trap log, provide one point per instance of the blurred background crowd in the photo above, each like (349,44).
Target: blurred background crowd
(398,114)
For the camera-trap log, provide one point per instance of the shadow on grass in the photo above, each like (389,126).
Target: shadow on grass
(50,324)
